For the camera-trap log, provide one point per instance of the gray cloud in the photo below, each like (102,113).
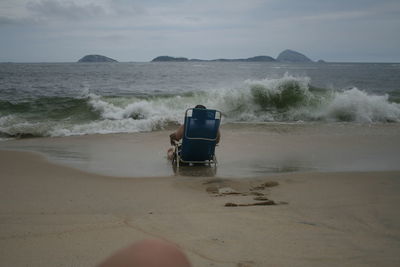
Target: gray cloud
(126,8)
(16,21)
(9,21)
(134,30)
(68,10)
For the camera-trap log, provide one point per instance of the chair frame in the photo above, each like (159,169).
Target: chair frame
(177,158)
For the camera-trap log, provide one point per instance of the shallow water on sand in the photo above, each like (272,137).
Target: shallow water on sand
(246,150)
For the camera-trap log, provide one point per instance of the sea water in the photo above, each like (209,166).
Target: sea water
(64,99)
(276,117)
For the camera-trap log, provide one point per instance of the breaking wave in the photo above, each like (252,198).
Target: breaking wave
(287,99)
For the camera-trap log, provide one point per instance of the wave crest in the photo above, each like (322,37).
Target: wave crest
(281,93)
(285,99)
(358,106)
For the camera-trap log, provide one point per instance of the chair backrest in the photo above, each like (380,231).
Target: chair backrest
(200,135)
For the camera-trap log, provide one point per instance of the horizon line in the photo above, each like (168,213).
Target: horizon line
(201,60)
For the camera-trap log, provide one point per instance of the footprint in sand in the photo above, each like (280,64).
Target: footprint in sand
(263,201)
(245,264)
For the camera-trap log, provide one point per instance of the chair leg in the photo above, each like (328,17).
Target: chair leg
(176,155)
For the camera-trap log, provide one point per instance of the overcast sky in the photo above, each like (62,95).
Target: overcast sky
(133,30)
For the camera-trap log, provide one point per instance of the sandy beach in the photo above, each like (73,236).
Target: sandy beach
(54,213)
(303,101)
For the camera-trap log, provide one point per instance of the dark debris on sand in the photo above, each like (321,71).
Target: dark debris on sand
(263,203)
(264,185)
(219,188)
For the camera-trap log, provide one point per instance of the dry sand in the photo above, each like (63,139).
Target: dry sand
(52,215)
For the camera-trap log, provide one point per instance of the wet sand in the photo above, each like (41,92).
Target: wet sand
(246,150)
(60,215)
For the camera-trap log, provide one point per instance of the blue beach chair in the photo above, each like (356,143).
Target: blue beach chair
(200,137)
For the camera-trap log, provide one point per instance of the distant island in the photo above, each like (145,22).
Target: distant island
(96,58)
(168,58)
(285,56)
(181,59)
(292,56)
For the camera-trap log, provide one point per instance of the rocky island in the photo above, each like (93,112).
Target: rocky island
(260,59)
(169,59)
(96,58)
(292,56)
(250,59)
(180,59)
(285,56)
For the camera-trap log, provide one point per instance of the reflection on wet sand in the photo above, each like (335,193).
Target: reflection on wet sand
(199,170)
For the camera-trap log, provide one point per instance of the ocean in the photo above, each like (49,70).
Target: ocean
(65,99)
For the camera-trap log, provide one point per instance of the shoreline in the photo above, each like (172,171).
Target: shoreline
(55,215)
(245,150)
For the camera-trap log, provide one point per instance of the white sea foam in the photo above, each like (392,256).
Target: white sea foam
(358,106)
(12,125)
(137,109)
(107,126)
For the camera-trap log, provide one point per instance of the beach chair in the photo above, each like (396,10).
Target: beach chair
(200,137)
